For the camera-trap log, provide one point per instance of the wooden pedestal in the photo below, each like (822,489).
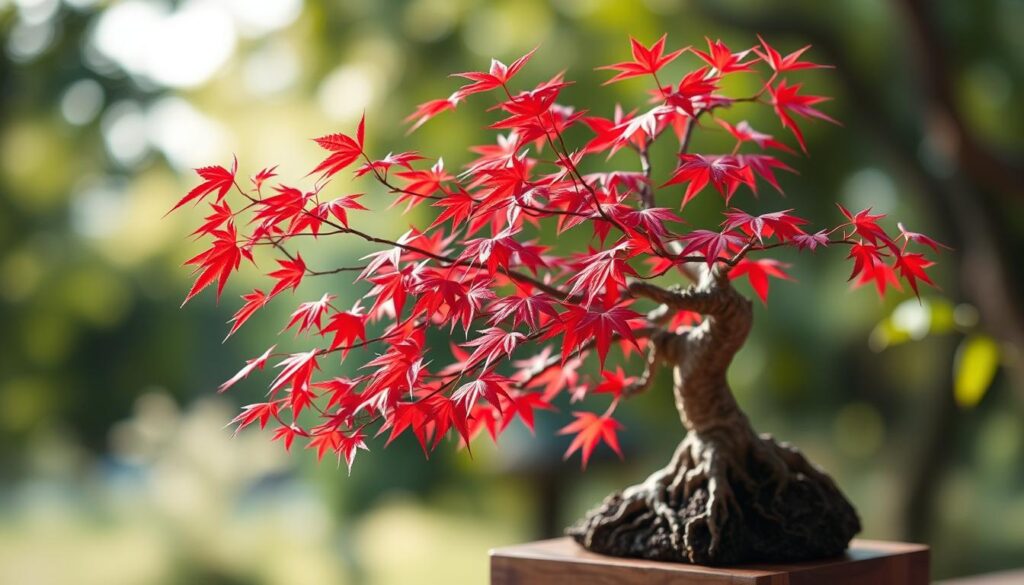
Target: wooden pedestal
(561,561)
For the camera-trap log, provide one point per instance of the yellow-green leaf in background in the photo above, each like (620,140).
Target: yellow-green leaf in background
(975,366)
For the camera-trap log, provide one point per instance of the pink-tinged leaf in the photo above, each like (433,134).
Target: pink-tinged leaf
(382,166)
(310,314)
(296,370)
(763,166)
(348,446)
(922,239)
(492,344)
(811,241)
(779,224)
(254,364)
(338,442)
(712,245)
(260,412)
(491,387)
(532,310)
(498,75)
(602,273)
(743,132)
(590,430)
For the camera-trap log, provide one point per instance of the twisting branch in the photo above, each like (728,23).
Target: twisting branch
(655,355)
(693,298)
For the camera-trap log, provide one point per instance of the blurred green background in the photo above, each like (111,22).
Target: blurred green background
(115,466)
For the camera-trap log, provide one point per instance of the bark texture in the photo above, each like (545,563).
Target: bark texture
(728,495)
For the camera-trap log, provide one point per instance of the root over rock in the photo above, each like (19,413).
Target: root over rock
(726,497)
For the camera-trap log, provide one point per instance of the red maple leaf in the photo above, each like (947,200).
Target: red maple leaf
(254,301)
(712,245)
(337,207)
(786,99)
(254,364)
(790,62)
(757,272)
(591,429)
(523,405)
(347,326)
(865,225)
(287,434)
(310,314)
(344,150)
(581,324)
(869,267)
(261,412)
(215,179)
(490,387)
(779,224)
(221,215)
(699,170)
(646,61)
(498,75)
(911,267)
(909,236)
(722,59)
(262,177)
(493,342)
(428,110)
(614,383)
(216,263)
(289,275)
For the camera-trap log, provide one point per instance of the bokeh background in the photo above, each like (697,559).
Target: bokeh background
(115,466)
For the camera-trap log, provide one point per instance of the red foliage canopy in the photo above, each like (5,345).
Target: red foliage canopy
(529,314)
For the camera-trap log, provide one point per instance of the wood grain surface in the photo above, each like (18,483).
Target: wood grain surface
(562,561)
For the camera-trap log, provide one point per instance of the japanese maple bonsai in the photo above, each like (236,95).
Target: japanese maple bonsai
(531,314)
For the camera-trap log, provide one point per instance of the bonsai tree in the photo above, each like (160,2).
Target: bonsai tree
(524,312)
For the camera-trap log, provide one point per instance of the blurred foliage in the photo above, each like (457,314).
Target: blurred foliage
(105,106)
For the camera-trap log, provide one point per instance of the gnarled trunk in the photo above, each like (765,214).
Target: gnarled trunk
(728,495)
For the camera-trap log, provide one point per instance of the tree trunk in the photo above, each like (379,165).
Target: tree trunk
(728,495)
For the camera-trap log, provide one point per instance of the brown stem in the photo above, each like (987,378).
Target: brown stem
(701,355)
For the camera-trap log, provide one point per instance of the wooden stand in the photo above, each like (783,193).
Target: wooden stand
(561,561)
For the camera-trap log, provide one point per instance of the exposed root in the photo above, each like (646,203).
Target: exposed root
(728,495)
(725,497)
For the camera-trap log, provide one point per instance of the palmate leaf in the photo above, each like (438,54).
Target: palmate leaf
(590,430)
